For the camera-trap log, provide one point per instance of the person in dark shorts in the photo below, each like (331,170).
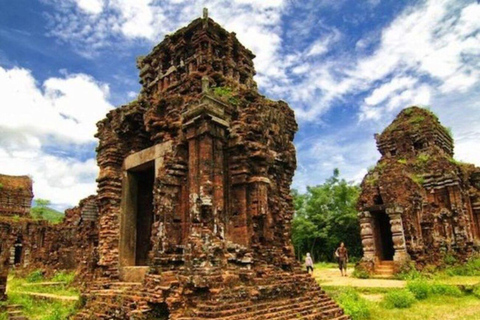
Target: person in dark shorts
(309,263)
(342,255)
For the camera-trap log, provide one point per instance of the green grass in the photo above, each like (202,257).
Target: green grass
(42,309)
(18,285)
(399,298)
(434,308)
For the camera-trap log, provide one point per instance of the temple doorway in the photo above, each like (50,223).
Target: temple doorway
(17,257)
(383,236)
(144,215)
(137,215)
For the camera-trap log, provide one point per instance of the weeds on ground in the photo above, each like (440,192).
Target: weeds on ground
(35,276)
(470,268)
(42,309)
(353,304)
(67,277)
(422,289)
(399,299)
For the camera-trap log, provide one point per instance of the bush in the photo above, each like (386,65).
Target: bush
(64,277)
(420,288)
(445,290)
(354,305)
(449,260)
(360,272)
(35,276)
(399,299)
(408,271)
(476,291)
(470,268)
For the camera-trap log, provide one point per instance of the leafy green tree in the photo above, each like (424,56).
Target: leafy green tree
(325,216)
(40,209)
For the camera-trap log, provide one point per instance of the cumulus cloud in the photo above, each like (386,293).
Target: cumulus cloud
(430,51)
(93,25)
(60,113)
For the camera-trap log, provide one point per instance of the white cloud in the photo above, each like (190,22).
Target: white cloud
(60,113)
(256,24)
(66,108)
(90,6)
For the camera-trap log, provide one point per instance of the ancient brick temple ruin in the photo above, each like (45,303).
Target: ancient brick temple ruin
(27,243)
(16,196)
(194,193)
(418,203)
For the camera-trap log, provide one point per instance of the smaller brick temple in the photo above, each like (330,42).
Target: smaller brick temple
(418,203)
(28,244)
(15,195)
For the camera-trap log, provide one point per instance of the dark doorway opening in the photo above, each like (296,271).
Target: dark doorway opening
(17,259)
(144,217)
(159,311)
(383,236)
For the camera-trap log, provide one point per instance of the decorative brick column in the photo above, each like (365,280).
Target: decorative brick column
(366,233)
(398,235)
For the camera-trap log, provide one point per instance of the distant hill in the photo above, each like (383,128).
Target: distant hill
(46,213)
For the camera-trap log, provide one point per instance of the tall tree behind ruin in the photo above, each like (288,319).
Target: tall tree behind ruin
(324,215)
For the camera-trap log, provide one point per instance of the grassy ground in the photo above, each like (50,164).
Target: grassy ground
(42,309)
(464,307)
(453,293)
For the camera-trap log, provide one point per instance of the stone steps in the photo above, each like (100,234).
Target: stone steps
(384,269)
(14,312)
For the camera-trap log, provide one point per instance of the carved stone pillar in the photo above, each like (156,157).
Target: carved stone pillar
(398,235)
(366,234)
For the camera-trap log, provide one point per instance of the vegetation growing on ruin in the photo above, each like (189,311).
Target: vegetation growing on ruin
(227,94)
(324,215)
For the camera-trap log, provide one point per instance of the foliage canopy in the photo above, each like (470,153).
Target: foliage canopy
(325,216)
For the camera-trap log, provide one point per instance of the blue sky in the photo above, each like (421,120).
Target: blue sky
(346,67)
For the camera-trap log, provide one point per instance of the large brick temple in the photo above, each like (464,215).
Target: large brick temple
(194,193)
(418,204)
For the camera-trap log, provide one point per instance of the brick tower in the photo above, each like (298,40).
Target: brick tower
(194,193)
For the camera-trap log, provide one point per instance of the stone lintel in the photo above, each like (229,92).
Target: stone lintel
(259,180)
(154,153)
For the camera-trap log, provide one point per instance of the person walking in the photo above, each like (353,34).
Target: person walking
(342,255)
(309,263)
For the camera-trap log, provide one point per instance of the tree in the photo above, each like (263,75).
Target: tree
(40,209)
(325,216)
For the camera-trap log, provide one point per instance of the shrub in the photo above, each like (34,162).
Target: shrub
(66,277)
(399,299)
(407,271)
(476,291)
(402,161)
(354,305)
(35,276)
(360,272)
(445,290)
(420,288)
(470,268)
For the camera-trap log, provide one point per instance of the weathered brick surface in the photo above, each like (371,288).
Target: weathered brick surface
(27,244)
(15,195)
(219,237)
(433,202)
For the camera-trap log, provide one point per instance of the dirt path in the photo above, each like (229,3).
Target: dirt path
(332,277)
